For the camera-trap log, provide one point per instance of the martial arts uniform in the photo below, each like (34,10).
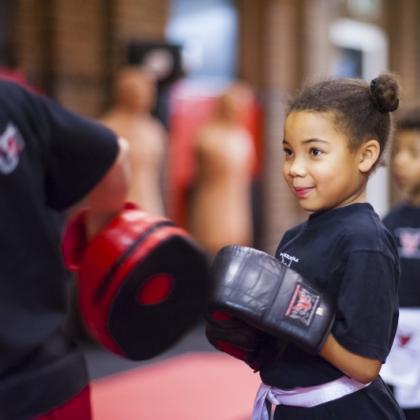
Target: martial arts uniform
(348,253)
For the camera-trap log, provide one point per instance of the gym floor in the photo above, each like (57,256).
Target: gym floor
(191,381)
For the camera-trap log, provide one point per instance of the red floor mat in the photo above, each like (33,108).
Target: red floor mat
(194,386)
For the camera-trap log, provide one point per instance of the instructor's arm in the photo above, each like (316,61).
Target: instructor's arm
(108,196)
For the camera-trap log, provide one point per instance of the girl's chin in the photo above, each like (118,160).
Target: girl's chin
(309,208)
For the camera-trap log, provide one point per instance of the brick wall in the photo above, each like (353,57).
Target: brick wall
(404,32)
(28,39)
(144,18)
(71,48)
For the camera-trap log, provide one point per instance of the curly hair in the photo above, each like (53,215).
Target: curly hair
(358,109)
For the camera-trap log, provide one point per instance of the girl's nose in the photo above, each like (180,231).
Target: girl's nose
(297,167)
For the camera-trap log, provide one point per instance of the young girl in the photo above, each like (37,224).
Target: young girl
(402,369)
(335,133)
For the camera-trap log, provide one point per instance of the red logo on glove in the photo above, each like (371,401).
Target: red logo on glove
(302,305)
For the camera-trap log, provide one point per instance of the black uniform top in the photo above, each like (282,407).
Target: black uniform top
(403,221)
(49,159)
(349,253)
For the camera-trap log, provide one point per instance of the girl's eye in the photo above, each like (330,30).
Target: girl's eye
(314,151)
(287,152)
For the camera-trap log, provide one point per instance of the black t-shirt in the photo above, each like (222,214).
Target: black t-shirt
(403,221)
(349,253)
(49,159)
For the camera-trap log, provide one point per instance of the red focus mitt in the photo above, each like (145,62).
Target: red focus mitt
(142,281)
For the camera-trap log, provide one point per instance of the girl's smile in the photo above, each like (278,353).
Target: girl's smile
(302,192)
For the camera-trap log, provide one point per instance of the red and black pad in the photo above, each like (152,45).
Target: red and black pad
(142,281)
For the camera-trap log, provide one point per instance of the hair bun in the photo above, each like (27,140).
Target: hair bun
(384,92)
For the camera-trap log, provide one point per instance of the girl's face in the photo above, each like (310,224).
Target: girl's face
(406,162)
(319,167)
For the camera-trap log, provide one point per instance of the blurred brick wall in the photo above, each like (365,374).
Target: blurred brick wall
(145,18)
(28,39)
(70,49)
(78,51)
(404,31)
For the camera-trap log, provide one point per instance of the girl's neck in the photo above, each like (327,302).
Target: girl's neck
(358,197)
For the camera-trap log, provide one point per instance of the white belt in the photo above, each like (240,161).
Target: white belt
(303,397)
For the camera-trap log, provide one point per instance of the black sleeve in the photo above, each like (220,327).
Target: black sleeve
(79,152)
(367,305)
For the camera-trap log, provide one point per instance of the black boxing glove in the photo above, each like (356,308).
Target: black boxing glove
(259,290)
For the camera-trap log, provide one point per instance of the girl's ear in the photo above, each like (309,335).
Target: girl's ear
(368,155)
